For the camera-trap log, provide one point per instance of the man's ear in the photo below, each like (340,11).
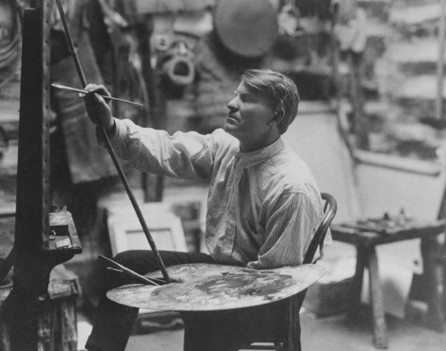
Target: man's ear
(278,116)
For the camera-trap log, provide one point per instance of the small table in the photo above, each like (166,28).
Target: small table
(366,235)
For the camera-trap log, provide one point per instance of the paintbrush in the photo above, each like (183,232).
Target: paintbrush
(81,91)
(120,268)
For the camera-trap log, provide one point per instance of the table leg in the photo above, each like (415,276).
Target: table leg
(380,339)
(430,250)
(443,271)
(355,292)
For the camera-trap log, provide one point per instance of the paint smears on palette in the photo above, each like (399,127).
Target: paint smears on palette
(208,287)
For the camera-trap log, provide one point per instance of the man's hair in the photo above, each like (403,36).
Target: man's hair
(280,92)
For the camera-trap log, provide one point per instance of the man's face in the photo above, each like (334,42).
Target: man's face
(248,117)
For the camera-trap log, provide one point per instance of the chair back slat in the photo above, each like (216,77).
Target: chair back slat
(330,209)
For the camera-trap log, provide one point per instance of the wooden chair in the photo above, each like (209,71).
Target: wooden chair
(289,338)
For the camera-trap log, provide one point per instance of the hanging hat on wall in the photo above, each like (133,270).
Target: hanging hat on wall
(246,27)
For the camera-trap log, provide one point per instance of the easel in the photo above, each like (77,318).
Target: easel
(34,254)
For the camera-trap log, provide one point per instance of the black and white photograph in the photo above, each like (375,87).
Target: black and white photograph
(222,175)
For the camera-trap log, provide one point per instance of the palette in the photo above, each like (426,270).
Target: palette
(210,287)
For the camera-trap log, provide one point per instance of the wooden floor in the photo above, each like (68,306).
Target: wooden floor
(331,333)
(322,334)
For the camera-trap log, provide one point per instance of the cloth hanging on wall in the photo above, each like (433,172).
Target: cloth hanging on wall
(10,45)
(87,160)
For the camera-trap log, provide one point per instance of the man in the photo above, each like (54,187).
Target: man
(263,204)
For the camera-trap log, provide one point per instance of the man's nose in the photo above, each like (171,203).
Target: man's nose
(232,105)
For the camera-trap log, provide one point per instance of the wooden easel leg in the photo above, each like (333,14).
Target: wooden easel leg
(431,258)
(20,311)
(355,292)
(380,339)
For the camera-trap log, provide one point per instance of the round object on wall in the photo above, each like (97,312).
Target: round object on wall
(246,27)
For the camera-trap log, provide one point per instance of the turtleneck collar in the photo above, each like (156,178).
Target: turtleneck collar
(253,157)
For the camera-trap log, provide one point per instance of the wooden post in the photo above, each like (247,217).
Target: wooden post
(32,259)
(152,184)
(440,63)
